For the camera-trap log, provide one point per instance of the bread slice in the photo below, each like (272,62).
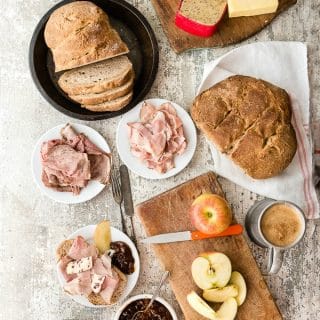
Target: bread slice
(113,105)
(97,77)
(79,33)
(63,249)
(108,95)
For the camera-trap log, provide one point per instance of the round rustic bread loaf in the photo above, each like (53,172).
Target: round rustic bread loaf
(250,120)
(79,33)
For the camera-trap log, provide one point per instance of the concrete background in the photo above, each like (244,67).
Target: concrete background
(31,225)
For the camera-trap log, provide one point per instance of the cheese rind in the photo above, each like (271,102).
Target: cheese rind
(96,282)
(240,8)
(78,266)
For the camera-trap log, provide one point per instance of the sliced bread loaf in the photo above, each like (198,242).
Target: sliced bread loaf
(108,95)
(97,77)
(79,33)
(113,105)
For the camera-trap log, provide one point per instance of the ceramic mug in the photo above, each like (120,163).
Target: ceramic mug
(253,227)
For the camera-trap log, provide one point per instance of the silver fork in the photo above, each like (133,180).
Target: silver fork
(117,194)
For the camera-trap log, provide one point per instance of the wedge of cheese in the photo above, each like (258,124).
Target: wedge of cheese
(200,17)
(240,8)
(79,266)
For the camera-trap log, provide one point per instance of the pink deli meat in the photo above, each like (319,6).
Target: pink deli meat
(158,137)
(68,164)
(82,283)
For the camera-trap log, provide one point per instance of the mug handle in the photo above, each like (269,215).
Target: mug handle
(274,260)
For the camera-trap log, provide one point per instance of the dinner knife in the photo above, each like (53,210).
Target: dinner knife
(127,197)
(235,229)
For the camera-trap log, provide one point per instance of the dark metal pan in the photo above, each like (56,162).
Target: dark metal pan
(133,28)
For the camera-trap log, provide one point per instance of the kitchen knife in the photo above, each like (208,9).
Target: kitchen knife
(235,229)
(127,197)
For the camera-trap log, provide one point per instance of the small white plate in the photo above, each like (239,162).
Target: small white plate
(116,235)
(91,190)
(134,164)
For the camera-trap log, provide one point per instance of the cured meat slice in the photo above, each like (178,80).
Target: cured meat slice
(69,163)
(158,137)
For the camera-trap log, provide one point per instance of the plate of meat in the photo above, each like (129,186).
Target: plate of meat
(71,163)
(94,277)
(156,139)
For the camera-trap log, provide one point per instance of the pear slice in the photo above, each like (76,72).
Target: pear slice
(238,280)
(102,236)
(220,294)
(227,311)
(199,305)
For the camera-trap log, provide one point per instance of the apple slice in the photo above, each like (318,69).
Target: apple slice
(227,311)
(102,236)
(238,280)
(199,305)
(211,270)
(220,294)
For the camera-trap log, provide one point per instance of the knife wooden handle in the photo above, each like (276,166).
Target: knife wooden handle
(230,231)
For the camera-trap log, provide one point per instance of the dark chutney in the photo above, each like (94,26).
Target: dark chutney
(122,257)
(157,311)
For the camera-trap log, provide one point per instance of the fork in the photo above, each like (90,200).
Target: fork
(117,194)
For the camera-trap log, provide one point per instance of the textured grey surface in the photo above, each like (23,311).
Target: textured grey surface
(31,225)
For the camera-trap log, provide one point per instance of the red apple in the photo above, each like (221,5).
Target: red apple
(210,214)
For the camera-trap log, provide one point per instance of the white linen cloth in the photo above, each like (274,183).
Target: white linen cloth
(285,65)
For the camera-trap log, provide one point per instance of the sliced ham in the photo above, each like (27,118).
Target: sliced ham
(69,163)
(158,137)
(81,249)
(102,268)
(147,112)
(109,286)
(81,285)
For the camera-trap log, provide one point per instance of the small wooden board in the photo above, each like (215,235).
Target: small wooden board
(168,212)
(230,30)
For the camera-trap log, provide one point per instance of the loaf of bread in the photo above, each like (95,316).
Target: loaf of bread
(79,33)
(250,121)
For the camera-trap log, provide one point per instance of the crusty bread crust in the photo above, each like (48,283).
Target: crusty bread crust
(94,298)
(108,95)
(113,105)
(249,120)
(79,33)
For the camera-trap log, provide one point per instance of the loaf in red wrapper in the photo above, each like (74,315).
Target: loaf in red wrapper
(200,17)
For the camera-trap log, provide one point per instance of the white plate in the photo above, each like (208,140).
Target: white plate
(134,164)
(116,235)
(92,189)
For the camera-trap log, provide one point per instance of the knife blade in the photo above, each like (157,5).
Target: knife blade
(127,198)
(126,190)
(235,229)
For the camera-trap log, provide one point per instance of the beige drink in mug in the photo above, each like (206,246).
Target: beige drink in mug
(278,225)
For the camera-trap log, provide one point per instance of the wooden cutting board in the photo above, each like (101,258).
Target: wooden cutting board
(168,212)
(230,30)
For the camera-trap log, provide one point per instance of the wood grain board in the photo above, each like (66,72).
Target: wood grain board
(168,212)
(230,30)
